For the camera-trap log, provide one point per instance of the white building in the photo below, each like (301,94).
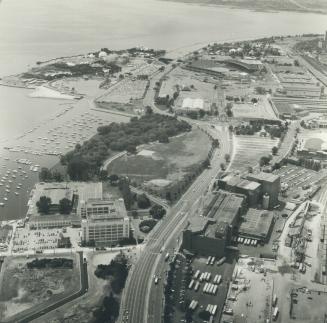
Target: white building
(190,104)
(106,222)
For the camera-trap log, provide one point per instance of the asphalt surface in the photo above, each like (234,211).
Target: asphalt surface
(29,316)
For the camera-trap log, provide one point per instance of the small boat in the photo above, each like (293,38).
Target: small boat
(5,199)
(7,191)
(16,193)
(2,204)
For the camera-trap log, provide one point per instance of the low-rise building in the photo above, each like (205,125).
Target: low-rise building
(106,222)
(75,192)
(257,224)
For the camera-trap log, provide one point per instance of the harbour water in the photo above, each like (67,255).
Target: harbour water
(33,30)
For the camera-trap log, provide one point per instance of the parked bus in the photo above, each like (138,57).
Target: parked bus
(209,259)
(196,287)
(221,261)
(212,260)
(190,286)
(156,280)
(274,302)
(196,275)
(214,310)
(275,313)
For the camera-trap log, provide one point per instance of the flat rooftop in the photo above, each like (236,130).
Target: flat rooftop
(268,177)
(248,185)
(256,223)
(58,191)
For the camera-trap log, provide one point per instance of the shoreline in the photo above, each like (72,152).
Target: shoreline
(253,9)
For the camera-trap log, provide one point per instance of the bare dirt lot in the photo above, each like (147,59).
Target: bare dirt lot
(22,288)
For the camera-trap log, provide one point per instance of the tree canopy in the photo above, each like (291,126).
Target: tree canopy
(84,161)
(65,206)
(43,204)
(157,211)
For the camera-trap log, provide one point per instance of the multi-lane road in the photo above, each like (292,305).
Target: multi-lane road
(142,299)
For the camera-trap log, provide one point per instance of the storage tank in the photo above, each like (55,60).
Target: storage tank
(265,202)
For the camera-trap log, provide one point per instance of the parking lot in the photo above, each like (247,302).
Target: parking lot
(297,178)
(25,240)
(207,288)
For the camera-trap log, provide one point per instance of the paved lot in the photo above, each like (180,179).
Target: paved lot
(297,178)
(225,270)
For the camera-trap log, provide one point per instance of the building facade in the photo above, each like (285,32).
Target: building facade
(106,222)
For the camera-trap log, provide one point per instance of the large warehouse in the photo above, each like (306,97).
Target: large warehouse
(209,235)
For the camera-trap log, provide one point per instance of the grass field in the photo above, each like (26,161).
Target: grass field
(23,288)
(165,161)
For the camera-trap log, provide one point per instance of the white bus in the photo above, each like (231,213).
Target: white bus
(214,310)
(196,275)
(212,260)
(274,301)
(190,286)
(209,259)
(275,313)
(196,287)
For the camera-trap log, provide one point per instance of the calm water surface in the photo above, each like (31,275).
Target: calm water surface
(32,30)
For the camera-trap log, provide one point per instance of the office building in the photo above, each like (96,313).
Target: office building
(106,222)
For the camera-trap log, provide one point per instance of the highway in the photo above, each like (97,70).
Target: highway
(136,306)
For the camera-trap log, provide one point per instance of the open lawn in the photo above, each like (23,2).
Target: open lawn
(22,288)
(169,161)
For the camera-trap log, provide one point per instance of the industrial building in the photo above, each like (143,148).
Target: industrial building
(208,235)
(106,222)
(257,224)
(270,187)
(251,189)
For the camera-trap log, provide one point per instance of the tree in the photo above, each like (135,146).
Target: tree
(57,177)
(264,160)
(45,175)
(227,158)
(223,166)
(65,206)
(113,178)
(274,150)
(148,110)
(44,204)
(126,192)
(143,202)
(78,169)
(157,212)
(201,113)
(103,175)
